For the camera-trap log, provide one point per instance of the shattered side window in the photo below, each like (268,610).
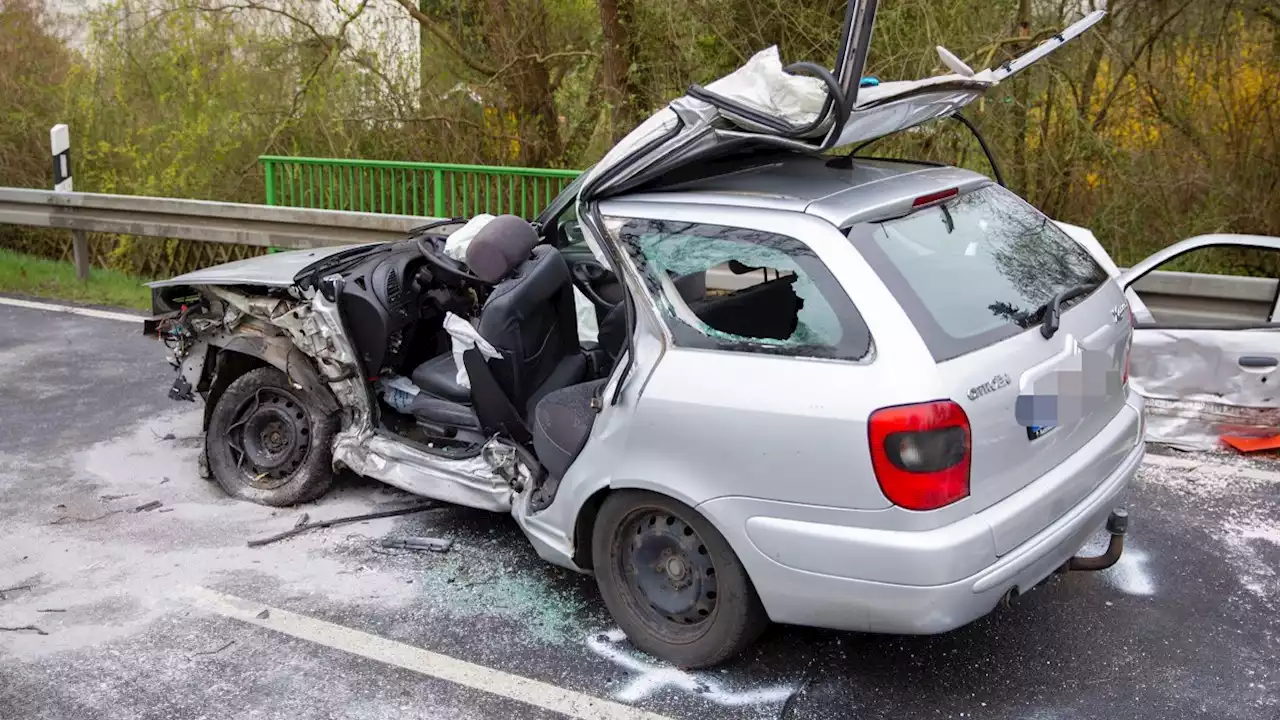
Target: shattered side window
(775,296)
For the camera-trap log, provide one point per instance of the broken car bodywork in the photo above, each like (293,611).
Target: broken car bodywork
(1207,372)
(303,337)
(681,441)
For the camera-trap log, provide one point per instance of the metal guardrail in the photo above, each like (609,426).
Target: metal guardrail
(1200,299)
(413,188)
(1173,295)
(202,220)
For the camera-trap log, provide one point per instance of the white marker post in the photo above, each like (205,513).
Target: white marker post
(60,140)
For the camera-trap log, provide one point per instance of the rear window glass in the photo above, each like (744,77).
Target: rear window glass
(976,269)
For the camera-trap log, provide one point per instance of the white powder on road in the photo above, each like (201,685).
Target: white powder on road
(1130,574)
(115,575)
(1242,498)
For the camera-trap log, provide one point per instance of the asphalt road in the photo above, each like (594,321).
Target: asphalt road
(135,609)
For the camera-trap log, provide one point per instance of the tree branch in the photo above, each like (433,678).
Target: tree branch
(442,34)
(541,60)
(1128,68)
(251,6)
(301,92)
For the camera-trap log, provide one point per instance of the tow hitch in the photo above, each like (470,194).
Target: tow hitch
(1117,524)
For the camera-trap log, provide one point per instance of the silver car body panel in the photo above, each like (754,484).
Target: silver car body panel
(269,270)
(781,473)
(841,597)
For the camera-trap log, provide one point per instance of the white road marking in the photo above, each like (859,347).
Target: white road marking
(72,309)
(478,677)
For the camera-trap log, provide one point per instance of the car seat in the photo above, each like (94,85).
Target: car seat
(528,318)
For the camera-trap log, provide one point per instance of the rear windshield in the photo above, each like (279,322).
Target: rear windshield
(976,269)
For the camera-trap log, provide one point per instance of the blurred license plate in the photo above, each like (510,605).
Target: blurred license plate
(1066,394)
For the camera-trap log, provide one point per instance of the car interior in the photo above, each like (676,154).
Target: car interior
(518,294)
(516,287)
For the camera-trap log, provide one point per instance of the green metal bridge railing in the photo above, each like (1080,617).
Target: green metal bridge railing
(410,188)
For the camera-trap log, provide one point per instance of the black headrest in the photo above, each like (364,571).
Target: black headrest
(500,247)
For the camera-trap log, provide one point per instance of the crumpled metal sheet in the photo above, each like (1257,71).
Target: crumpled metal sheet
(1196,390)
(471,482)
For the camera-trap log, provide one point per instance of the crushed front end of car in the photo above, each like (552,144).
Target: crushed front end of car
(218,333)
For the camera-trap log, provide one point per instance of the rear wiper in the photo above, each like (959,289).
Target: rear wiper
(1053,311)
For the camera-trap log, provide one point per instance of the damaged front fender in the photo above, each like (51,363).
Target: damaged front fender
(280,352)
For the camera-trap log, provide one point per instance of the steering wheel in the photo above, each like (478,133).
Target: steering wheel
(584,274)
(446,269)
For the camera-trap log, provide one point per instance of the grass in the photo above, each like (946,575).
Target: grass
(36,276)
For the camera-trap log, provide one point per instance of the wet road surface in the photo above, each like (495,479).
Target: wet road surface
(138,606)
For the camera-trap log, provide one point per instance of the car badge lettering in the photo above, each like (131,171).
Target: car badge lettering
(1118,312)
(999,381)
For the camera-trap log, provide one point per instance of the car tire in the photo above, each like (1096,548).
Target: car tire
(671,581)
(267,442)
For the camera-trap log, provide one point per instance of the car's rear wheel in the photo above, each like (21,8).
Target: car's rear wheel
(267,443)
(672,582)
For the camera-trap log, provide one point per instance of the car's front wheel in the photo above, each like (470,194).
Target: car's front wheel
(672,582)
(268,443)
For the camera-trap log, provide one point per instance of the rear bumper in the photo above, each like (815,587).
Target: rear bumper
(804,597)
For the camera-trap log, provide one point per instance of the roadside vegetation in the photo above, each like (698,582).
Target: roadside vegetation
(33,276)
(1162,123)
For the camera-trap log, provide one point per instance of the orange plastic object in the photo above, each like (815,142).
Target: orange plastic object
(1252,444)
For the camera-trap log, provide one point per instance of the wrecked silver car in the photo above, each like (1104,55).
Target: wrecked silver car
(735,376)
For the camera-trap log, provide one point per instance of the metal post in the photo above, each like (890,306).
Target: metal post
(437,180)
(60,142)
(269,167)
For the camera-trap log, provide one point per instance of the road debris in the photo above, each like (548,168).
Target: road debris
(1248,444)
(419,543)
(148,506)
(109,498)
(789,705)
(165,510)
(74,518)
(52,610)
(266,613)
(228,644)
(15,587)
(303,519)
(22,628)
(301,528)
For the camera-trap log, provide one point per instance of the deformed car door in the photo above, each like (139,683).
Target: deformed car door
(1206,348)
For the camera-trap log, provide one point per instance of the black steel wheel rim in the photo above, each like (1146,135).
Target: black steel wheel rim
(269,437)
(668,569)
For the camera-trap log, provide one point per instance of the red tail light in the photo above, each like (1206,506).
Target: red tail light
(921,454)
